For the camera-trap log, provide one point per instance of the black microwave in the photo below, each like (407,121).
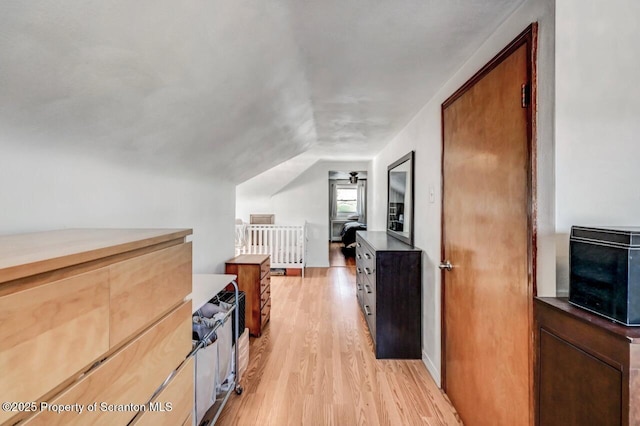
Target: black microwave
(605,272)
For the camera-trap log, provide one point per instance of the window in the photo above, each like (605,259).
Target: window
(346,199)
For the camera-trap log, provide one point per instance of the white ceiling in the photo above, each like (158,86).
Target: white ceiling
(227,88)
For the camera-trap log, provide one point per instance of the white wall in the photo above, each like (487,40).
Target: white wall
(423,134)
(305,198)
(42,189)
(598,118)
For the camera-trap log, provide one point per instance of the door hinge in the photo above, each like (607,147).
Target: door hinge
(526,95)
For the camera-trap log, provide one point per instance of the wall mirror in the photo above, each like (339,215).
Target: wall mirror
(400,203)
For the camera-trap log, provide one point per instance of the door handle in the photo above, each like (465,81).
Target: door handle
(445,264)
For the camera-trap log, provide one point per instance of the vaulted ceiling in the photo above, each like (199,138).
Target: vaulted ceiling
(227,88)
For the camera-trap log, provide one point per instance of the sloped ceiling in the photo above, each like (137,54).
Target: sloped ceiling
(227,88)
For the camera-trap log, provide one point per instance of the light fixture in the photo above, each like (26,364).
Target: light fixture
(354,177)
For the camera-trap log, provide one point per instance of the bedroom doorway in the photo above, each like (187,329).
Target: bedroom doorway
(347,213)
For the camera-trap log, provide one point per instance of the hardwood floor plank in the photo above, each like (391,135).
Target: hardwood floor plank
(315,365)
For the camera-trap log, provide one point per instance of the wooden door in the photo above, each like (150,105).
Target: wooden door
(487,237)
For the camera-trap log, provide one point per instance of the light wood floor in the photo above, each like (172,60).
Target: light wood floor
(336,258)
(314,365)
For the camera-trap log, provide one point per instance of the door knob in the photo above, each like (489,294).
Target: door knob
(445,264)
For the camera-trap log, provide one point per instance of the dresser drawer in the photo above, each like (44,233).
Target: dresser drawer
(51,332)
(265,283)
(129,376)
(265,297)
(366,259)
(144,288)
(369,287)
(189,421)
(265,267)
(369,271)
(370,317)
(265,313)
(174,404)
(369,309)
(359,290)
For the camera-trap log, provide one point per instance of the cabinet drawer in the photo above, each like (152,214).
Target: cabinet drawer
(173,405)
(265,283)
(144,288)
(51,332)
(189,421)
(369,309)
(371,321)
(359,291)
(369,288)
(265,313)
(369,271)
(265,267)
(365,260)
(369,293)
(265,297)
(129,376)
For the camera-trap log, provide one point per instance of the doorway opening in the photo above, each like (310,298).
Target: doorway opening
(347,214)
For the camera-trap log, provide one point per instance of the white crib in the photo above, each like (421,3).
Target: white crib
(285,243)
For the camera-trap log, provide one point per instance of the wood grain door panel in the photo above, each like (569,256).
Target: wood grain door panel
(575,387)
(130,376)
(51,332)
(177,399)
(487,237)
(146,287)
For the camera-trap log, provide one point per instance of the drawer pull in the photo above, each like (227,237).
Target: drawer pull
(359,287)
(358,256)
(368,271)
(359,270)
(367,255)
(358,245)
(367,310)
(368,288)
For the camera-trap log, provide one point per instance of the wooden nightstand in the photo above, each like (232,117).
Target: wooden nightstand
(254,278)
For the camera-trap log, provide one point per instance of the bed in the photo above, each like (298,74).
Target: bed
(348,236)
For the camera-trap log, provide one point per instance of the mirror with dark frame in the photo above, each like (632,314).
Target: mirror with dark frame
(400,200)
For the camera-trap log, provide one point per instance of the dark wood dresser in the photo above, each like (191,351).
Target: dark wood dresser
(389,291)
(587,367)
(254,278)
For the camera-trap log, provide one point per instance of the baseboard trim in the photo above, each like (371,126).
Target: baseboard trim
(431,368)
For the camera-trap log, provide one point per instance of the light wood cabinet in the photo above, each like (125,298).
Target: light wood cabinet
(92,316)
(254,279)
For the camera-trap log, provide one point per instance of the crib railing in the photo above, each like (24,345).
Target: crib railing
(286,244)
